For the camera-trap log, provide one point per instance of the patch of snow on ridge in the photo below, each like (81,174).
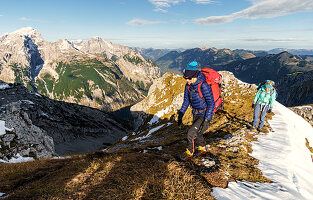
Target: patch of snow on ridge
(3,128)
(4,86)
(158,115)
(283,158)
(149,133)
(18,159)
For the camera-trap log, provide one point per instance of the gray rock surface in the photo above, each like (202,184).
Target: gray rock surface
(40,127)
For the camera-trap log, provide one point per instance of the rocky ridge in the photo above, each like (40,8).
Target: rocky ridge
(26,58)
(37,126)
(227,138)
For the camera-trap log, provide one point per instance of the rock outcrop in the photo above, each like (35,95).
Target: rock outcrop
(39,127)
(296,89)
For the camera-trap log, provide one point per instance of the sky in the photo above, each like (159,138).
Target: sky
(233,24)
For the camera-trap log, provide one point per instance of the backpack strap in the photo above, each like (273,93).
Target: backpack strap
(199,89)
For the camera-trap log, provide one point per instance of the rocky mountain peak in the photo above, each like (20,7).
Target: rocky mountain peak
(28,32)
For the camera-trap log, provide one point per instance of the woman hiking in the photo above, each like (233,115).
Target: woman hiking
(263,101)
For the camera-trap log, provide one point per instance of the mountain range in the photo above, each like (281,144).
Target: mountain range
(292,51)
(176,61)
(95,72)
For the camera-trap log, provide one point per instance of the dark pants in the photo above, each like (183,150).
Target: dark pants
(195,134)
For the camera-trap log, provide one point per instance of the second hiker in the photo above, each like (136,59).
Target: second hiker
(263,101)
(202,109)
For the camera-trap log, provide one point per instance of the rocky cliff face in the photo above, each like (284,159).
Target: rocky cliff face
(296,89)
(39,127)
(97,64)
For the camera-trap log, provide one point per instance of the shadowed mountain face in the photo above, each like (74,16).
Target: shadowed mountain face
(296,89)
(41,127)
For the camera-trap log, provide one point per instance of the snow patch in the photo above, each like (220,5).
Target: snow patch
(3,128)
(28,102)
(158,115)
(149,133)
(124,138)
(18,159)
(4,86)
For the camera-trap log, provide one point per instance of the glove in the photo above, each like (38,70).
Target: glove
(269,110)
(205,125)
(253,105)
(180,118)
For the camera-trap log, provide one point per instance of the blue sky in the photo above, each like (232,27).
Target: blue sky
(248,24)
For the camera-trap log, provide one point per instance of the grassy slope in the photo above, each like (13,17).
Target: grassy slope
(128,173)
(75,76)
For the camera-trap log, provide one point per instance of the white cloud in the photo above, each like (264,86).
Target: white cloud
(271,40)
(261,9)
(161,4)
(165,3)
(160,10)
(203,1)
(141,22)
(1,15)
(25,19)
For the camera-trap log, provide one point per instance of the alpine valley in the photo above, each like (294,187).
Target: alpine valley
(95,73)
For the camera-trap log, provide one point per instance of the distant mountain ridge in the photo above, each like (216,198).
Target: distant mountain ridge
(292,51)
(273,67)
(95,72)
(151,53)
(176,61)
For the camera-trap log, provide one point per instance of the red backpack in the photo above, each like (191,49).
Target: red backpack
(214,79)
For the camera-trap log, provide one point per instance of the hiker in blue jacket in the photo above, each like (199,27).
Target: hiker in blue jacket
(202,109)
(263,101)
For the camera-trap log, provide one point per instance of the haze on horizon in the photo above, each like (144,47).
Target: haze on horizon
(246,24)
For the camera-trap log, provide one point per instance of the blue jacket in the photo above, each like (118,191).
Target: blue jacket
(192,97)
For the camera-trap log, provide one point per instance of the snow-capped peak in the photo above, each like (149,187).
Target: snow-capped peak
(27,31)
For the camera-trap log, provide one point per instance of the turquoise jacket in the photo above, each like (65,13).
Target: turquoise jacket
(265,98)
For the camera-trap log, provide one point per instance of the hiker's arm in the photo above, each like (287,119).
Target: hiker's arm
(272,99)
(208,97)
(256,96)
(186,102)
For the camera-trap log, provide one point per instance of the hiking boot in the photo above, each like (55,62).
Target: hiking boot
(252,128)
(201,150)
(186,155)
(259,130)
